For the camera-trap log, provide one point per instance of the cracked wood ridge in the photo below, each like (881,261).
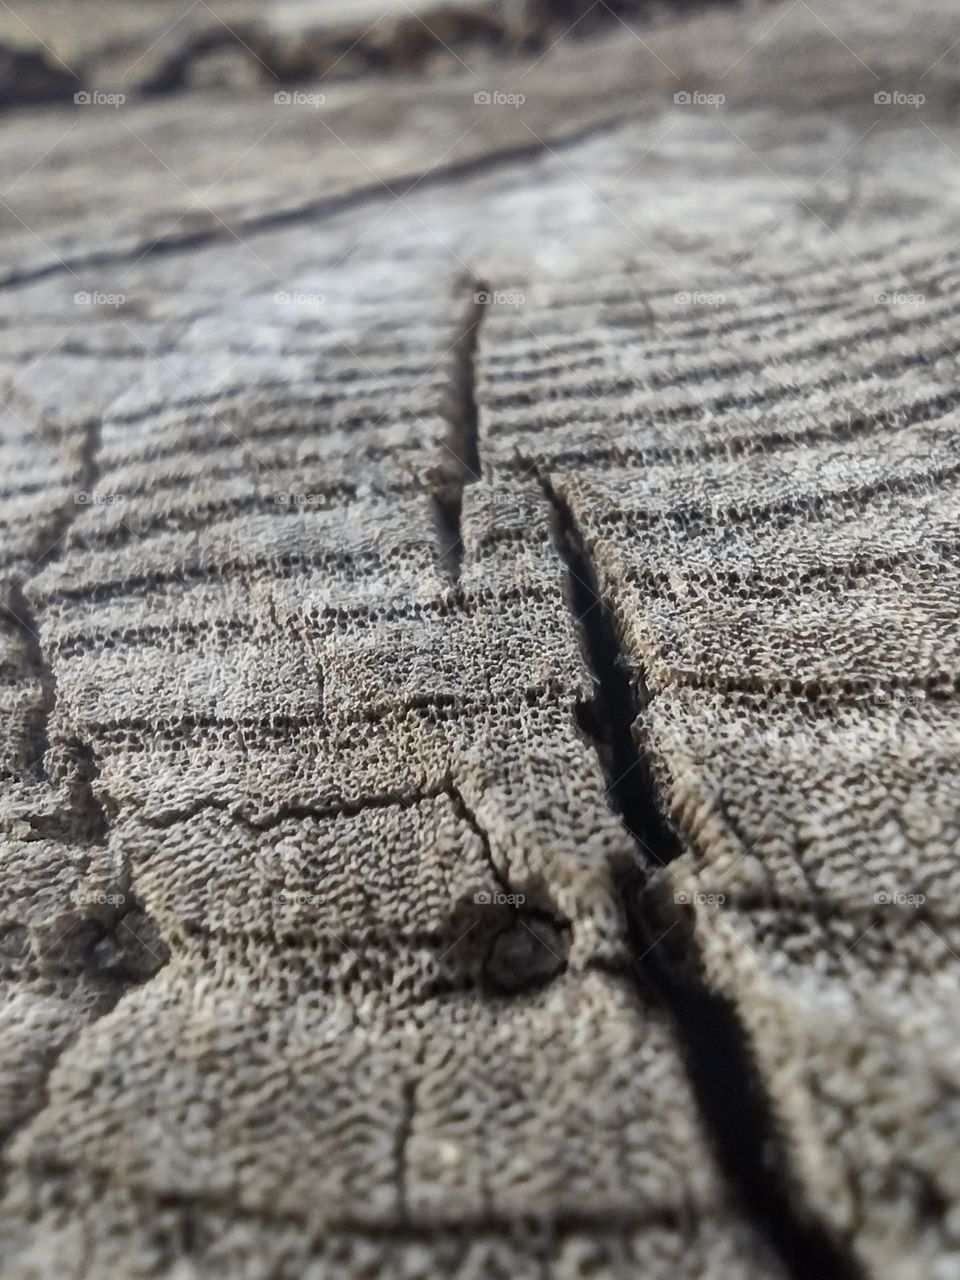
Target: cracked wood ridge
(481,533)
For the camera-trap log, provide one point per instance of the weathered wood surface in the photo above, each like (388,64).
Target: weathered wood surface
(480,742)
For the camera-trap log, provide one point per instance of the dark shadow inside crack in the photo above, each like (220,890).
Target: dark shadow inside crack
(665,966)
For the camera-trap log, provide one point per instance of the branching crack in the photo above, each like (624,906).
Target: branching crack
(460,464)
(725,1079)
(531,947)
(469,819)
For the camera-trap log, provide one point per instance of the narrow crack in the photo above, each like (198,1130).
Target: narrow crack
(460,464)
(319,208)
(346,808)
(469,819)
(727,1084)
(621,695)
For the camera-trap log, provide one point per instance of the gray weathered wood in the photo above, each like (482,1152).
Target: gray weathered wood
(480,739)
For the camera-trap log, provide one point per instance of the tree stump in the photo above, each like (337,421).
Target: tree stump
(481,747)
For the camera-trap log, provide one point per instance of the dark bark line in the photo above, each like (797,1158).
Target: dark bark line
(737,1113)
(317,209)
(460,463)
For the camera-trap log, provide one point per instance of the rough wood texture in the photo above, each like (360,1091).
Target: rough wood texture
(479,642)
